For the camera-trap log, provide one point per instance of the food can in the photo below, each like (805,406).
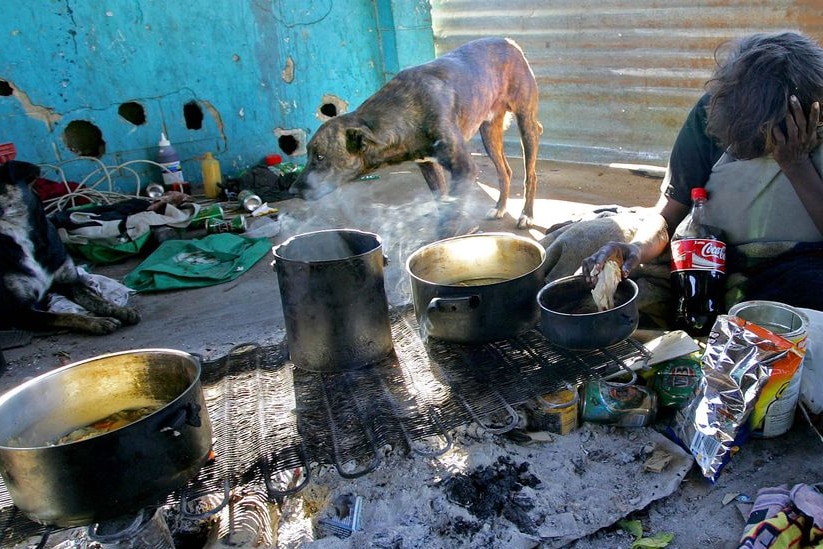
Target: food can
(779,318)
(677,380)
(620,404)
(249,201)
(237,224)
(198,220)
(780,395)
(555,412)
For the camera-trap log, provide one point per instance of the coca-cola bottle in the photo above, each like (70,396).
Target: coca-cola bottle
(698,270)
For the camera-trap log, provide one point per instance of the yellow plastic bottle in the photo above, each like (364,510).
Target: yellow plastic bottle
(212,177)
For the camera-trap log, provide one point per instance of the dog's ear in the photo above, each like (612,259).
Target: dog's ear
(18,171)
(360,138)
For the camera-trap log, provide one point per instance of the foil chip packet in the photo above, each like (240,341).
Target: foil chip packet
(745,368)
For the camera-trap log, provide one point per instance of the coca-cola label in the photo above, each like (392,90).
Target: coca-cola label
(705,254)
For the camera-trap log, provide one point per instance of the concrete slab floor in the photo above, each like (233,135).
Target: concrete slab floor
(398,207)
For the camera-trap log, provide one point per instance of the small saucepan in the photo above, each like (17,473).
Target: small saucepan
(569,317)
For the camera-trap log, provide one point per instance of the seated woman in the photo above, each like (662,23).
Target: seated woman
(753,141)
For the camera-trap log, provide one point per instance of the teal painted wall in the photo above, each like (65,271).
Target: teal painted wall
(256,69)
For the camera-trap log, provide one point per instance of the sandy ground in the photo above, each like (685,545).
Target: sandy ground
(398,207)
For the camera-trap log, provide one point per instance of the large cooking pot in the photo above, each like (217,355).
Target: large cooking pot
(334,300)
(477,288)
(569,317)
(117,472)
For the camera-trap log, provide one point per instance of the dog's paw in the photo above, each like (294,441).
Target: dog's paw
(496,213)
(524,222)
(127,315)
(100,325)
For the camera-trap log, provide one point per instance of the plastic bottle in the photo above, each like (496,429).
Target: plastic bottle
(167,157)
(210,167)
(698,270)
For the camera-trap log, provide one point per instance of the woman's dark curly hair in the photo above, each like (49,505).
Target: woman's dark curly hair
(751,86)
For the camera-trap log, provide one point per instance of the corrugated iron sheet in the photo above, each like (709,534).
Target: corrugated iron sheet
(616,77)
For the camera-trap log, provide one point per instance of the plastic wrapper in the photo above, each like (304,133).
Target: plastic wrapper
(740,360)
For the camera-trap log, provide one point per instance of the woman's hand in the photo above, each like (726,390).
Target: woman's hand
(800,137)
(626,255)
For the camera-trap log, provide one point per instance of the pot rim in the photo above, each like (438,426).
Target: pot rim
(27,386)
(496,235)
(295,238)
(565,280)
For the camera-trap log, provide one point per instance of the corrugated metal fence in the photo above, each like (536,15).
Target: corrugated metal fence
(617,77)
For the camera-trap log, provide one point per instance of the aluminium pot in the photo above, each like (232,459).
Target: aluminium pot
(569,317)
(477,288)
(334,299)
(115,473)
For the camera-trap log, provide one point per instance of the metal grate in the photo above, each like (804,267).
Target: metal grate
(271,419)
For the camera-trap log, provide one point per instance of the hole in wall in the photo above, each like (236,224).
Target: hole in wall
(329,109)
(133,112)
(193,115)
(84,139)
(331,106)
(291,142)
(288,144)
(5,89)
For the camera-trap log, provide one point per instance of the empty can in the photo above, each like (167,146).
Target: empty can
(619,404)
(249,201)
(555,412)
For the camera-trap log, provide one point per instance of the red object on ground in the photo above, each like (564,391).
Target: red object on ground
(46,189)
(7,152)
(273,159)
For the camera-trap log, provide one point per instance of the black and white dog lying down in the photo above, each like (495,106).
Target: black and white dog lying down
(34,263)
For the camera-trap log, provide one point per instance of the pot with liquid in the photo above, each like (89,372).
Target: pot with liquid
(104,437)
(477,288)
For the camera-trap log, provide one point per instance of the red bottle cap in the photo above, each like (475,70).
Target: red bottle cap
(273,159)
(699,193)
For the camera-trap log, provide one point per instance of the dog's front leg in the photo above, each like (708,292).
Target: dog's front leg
(435,178)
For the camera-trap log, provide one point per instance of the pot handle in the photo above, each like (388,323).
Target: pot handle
(188,414)
(444,305)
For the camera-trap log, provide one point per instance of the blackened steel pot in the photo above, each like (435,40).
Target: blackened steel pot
(569,317)
(477,288)
(115,473)
(334,299)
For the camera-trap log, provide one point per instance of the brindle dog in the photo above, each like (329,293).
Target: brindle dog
(427,113)
(35,263)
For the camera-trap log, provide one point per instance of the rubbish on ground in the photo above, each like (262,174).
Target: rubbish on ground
(347,509)
(212,176)
(676,381)
(169,163)
(635,528)
(249,201)
(264,210)
(624,405)
(204,213)
(740,360)
(670,345)
(658,461)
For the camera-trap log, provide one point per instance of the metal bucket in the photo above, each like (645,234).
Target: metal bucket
(334,299)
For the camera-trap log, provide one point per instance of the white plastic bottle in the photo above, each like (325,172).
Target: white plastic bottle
(167,157)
